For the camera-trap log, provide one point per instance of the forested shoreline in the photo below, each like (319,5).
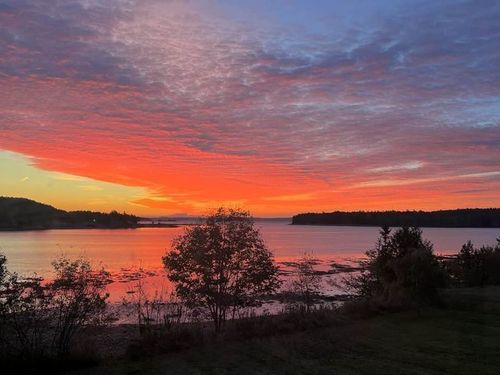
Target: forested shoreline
(26,214)
(459,218)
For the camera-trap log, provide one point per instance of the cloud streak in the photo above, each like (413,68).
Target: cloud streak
(199,104)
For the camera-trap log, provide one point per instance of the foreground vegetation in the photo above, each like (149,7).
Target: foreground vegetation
(462,337)
(222,266)
(40,320)
(413,312)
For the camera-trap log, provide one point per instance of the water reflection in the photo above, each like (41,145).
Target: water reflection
(123,250)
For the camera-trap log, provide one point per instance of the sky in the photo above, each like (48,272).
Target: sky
(279,107)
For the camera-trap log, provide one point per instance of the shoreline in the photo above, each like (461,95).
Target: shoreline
(379,226)
(177,225)
(92,227)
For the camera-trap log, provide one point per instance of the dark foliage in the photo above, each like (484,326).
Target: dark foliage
(41,320)
(305,284)
(190,335)
(288,321)
(401,271)
(462,218)
(476,266)
(47,365)
(3,268)
(23,214)
(222,265)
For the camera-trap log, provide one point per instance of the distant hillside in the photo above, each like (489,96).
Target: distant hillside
(462,218)
(24,214)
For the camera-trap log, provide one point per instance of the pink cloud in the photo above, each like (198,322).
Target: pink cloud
(198,108)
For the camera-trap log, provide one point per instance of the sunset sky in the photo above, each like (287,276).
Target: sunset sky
(279,107)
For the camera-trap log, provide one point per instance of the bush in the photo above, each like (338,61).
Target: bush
(477,266)
(78,299)
(26,318)
(401,271)
(41,320)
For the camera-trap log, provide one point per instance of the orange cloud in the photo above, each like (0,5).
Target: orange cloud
(190,109)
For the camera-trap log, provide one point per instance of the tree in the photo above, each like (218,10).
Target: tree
(221,265)
(477,266)
(401,271)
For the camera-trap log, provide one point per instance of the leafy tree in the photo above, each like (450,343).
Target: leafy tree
(401,271)
(222,265)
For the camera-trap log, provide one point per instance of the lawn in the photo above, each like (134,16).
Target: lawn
(463,337)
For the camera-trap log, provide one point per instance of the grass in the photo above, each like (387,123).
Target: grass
(461,338)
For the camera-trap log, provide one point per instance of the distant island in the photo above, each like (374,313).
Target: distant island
(460,218)
(26,214)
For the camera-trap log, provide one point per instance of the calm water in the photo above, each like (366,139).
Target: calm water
(124,250)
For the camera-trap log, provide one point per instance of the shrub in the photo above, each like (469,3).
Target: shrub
(477,266)
(78,299)
(41,320)
(401,271)
(25,316)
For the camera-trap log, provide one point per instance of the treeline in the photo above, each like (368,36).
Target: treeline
(461,218)
(24,214)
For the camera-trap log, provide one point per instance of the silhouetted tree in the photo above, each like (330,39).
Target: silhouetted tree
(477,266)
(221,265)
(401,271)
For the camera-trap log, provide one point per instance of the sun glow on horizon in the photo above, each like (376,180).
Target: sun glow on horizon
(22,178)
(159,108)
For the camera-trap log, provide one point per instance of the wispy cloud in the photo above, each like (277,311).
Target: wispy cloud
(409,166)
(411,181)
(200,103)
